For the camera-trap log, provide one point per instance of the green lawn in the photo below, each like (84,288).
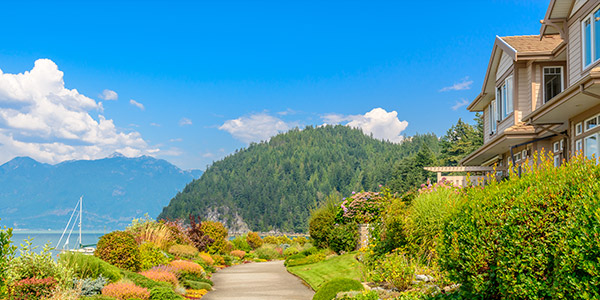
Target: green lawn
(317,274)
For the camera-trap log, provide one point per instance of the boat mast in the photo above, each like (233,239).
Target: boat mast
(80,219)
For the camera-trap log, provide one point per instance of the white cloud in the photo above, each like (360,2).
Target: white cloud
(42,119)
(255,128)
(109,95)
(464,84)
(185,122)
(381,124)
(155,124)
(137,104)
(287,112)
(176,140)
(459,104)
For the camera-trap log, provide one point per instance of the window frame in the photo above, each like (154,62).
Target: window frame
(579,146)
(585,128)
(493,117)
(504,98)
(585,139)
(589,17)
(562,83)
(579,128)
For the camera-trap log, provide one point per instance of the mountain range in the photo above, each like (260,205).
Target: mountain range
(116,189)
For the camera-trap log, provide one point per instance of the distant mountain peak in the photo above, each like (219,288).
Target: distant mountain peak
(116,154)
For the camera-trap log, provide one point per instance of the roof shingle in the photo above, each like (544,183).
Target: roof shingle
(531,44)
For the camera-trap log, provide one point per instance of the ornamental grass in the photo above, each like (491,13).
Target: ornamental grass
(124,291)
(186,251)
(161,275)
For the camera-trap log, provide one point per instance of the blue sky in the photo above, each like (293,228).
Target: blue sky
(196,80)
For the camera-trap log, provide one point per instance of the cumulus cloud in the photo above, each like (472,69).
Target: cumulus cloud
(255,128)
(381,124)
(185,122)
(464,84)
(42,119)
(459,104)
(137,104)
(109,95)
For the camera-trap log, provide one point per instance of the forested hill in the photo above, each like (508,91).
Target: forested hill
(275,184)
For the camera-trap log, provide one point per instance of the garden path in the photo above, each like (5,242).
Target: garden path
(266,280)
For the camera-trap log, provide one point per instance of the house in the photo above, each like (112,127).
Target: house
(542,92)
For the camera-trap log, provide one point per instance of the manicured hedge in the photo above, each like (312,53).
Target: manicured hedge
(330,289)
(537,237)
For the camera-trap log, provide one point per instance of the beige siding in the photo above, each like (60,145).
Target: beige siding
(523,95)
(536,86)
(505,63)
(509,121)
(578,4)
(486,125)
(574,48)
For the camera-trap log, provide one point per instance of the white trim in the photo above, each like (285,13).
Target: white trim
(562,83)
(585,128)
(524,154)
(514,54)
(593,49)
(579,128)
(555,147)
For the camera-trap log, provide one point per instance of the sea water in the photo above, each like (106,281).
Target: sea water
(41,238)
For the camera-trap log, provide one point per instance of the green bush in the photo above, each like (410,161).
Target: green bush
(98,297)
(300,240)
(311,259)
(151,256)
(322,221)
(267,252)
(290,251)
(309,251)
(193,277)
(254,240)
(344,238)
(6,255)
(32,265)
(394,268)
(240,243)
(271,239)
(197,285)
(87,266)
(330,289)
(120,249)
(164,293)
(530,238)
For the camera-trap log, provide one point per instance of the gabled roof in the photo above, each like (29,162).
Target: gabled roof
(532,45)
(524,47)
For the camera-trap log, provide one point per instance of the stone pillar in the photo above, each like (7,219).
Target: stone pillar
(363,235)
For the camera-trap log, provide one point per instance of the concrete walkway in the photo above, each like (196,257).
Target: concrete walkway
(267,280)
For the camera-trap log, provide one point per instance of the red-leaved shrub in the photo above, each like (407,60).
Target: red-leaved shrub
(32,288)
(124,291)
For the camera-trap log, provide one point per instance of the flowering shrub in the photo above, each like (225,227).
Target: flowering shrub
(238,253)
(270,239)
(184,266)
(125,291)
(206,258)
(363,207)
(186,251)
(195,294)
(120,249)
(300,240)
(161,275)
(32,288)
(33,265)
(254,240)
(219,260)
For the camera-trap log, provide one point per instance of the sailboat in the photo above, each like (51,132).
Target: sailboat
(79,247)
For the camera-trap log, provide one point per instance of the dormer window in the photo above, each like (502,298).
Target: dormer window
(504,98)
(590,34)
(553,83)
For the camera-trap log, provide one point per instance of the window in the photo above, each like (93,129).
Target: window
(557,160)
(578,128)
(555,146)
(578,146)
(518,157)
(591,123)
(591,146)
(493,116)
(504,98)
(590,31)
(524,154)
(553,83)
(562,145)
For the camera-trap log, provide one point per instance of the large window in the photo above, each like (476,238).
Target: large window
(504,98)
(553,83)
(590,31)
(493,117)
(591,146)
